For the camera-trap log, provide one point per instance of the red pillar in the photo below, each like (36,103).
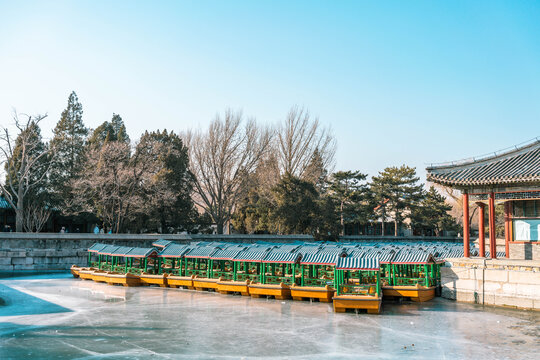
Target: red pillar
(466,228)
(507,229)
(481,229)
(492,236)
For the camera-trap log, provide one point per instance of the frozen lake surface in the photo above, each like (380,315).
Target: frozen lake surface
(56,316)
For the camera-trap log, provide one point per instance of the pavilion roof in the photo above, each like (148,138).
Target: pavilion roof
(518,166)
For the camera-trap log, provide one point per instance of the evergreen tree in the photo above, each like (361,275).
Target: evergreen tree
(295,205)
(166,183)
(115,130)
(68,143)
(350,193)
(431,214)
(397,191)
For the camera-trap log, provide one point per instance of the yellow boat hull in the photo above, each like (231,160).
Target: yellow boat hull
(323,294)
(99,276)
(123,279)
(150,279)
(86,274)
(202,284)
(370,303)
(75,270)
(279,291)
(229,287)
(415,293)
(177,281)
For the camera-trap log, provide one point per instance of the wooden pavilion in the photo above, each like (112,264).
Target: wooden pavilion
(511,177)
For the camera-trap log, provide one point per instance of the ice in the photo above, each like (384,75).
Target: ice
(58,317)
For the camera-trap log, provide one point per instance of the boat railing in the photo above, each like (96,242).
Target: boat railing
(318,282)
(201,273)
(223,274)
(403,281)
(362,289)
(274,279)
(243,277)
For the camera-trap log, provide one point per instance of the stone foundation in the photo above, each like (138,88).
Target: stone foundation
(501,282)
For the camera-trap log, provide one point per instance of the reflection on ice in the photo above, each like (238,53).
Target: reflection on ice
(104,320)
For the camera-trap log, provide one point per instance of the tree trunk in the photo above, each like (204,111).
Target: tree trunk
(395,227)
(342,222)
(19,212)
(382,226)
(219,225)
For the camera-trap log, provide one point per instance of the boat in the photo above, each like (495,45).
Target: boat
(197,263)
(412,275)
(358,285)
(317,275)
(278,269)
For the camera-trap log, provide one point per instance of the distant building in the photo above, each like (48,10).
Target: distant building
(510,177)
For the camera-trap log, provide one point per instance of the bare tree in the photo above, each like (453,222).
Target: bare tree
(220,160)
(109,184)
(26,161)
(36,216)
(299,139)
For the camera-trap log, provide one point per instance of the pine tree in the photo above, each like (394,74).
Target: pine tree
(431,214)
(115,130)
(68,143)
(166,184)
(397,190)
(350,192)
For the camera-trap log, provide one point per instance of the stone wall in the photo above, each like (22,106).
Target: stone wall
(47,251)
(525,250)
(501,282)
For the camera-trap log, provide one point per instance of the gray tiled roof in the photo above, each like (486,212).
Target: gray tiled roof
(521,165)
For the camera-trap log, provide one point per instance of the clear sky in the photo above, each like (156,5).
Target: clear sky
(404,82)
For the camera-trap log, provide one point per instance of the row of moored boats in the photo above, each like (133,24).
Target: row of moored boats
(351,275)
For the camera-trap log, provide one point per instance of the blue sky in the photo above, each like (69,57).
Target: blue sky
(404,82)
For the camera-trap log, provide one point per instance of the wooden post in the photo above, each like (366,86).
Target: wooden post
(492,236)
(234,270)
(466,227)
(427,276)
(378,282)
(507,228)
(302,278)
(481,229)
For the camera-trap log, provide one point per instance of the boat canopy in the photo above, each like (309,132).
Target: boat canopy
(278,256)
(323,257)
(413,257)
(349,263)
(162,243)
(97,247)
(253,253)
(228,253)
(201,252)
(174,250)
